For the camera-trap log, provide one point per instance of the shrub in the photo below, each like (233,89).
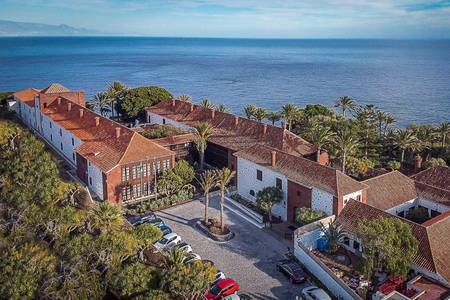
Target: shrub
(417,214)
(393,165)
(159,131)
(434,162)
(135,100)
(305,215)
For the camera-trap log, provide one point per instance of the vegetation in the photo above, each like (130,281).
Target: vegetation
(434,162)
(306,215)
(135,100)
(160,131)
(207,181)
(203,132)
(207,103)
(417,215)
(185,98)
(267,198)
(335,235)
(222,108)
(388,242)
(224,177)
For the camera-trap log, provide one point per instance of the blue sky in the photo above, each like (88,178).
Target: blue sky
(244,18)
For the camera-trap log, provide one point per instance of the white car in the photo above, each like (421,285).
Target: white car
(185,247)
(219,276)
(191,257)
(314,293)
(232,297)
(168,241)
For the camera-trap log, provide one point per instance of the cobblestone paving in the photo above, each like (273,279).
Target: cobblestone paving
(250,258)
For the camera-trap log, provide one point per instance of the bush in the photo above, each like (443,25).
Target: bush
(135,100)
(155,204)
(434,162)
(306,215)
(160,131)
(393,165)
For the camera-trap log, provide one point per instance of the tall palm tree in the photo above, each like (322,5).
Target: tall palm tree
(249,111)
(273,117)
(404,139)
(185,98)
(290,112)
(207,181)
(207,103)
(224,177)
(319,135)
(444,132)
(101,102)
(346,144)
(106,217)
(260,114)
(203,132)
(115,92)
(345,103)
(222,108)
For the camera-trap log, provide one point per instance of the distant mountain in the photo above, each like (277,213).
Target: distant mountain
(11,28)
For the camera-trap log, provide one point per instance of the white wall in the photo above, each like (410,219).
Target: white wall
(321,200)
(431,205)
(246,174)
(95,179)
(153,118)
(353,196)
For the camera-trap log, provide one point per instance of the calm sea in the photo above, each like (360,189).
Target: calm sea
(410,79)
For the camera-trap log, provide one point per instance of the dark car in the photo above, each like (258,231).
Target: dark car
(147,218)
(165,229)
(292,270)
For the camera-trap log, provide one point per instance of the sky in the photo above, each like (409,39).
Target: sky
(242,18)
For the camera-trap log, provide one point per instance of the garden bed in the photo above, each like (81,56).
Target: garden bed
(250,205)
(213,230)
(160,203)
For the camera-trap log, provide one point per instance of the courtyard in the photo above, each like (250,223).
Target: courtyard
(249,258)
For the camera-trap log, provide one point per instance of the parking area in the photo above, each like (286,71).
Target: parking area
(249,258)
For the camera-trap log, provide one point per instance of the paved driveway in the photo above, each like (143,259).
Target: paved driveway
(250,258)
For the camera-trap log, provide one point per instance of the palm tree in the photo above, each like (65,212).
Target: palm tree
(207,181)
(222,108)
(203,132)
(319,135)
(260,114)
(174,260)
(106,217)
(101,102)
(404,139)
(345,103)
(224,177)
(273,117)
(249,111)
(444,132)
(185,98)
(207,103)
(384,119)
(116,91)
(289,112)
(334,233)
(345,144)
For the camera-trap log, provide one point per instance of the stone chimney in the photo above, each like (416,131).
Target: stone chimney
(264,128)
(274,158)
(417,163)
(97,121)
(81,112)
(69,106)
(59,100)
(283,125)
(213,114)
(117,132)
(173,102)
(236,120)
(192,107)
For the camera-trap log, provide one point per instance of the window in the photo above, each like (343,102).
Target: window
(73,142)
(125,174)
(90,180)
(299,193)
(252,193)
(60,132)
(50,124)
(164,121)
(358,198)
(346,241)
(134,190)
(145,188)
(138,191)
(158,167)
(259,175)
(133,172)
(144,170)
(126,193)
(279,183)
(89,163)
(356,245)
(51,137)
(166,164)
(61,147)
(73,156)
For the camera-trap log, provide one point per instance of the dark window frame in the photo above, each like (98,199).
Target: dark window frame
(259,175)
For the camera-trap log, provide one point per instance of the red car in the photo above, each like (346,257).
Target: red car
(222,288)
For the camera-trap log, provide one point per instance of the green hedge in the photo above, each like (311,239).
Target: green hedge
(156,204)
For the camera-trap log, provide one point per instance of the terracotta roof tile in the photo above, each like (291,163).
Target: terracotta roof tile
(27,96)
(55,88)
(175,139)
(389,190)
(435,176)
(303,171)
(433,193)
(228,134)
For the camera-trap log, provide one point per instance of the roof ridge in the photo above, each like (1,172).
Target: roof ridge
(388,173)
(126,150)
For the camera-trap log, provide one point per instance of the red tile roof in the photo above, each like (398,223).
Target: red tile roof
(303,171)
(175,139)
(100,145)
(27,96)
(231,135)
(435,176)
(434,240)
(389,190)
(55,88)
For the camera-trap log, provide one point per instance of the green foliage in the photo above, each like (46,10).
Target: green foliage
(334,233)
(268,197)
(159,131)
(176,179)
(250,111)
(434,162)
(106,217)
(358,167)
(313,110)
(161,202)
(417,214)
(135,100)
(4,96)
(184,170)
(393,165)
(305,215)
(202,132)
(388,241)
(133,280)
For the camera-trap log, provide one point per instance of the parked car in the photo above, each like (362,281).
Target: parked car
(191,257)
(219,276)
(222,288)
(165,229)
(292,270)
(232,297)
(167,242)
(183,246)
(314,293)
(147,218)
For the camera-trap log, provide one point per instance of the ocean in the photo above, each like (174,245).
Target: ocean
(408,78)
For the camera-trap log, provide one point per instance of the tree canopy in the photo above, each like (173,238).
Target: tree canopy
(135,100)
